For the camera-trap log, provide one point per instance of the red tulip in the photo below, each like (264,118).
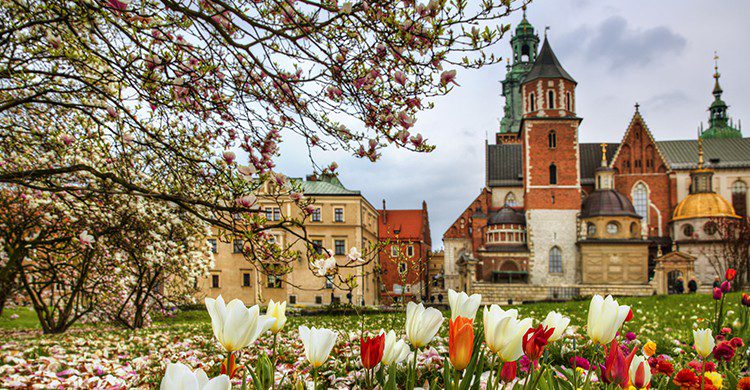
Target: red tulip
(509,371)
(372,350)
(629,316)
(461,342)
(731,273)
(617,365)
(232,369)
(535,340)
(745,300)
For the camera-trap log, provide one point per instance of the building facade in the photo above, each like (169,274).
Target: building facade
(405,254)
(342,219)
(558,218)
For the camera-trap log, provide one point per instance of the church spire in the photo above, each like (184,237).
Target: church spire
(718,122)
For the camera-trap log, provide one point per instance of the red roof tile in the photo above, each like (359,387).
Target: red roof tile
(404,224)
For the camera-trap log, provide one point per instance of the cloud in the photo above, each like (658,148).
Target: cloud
(675,99)
(621,46)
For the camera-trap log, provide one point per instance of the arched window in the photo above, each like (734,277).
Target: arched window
(532,102)
(552,174)
(555,260)
(739,197)
(568,101)
(552,139)
(525,53)
(551,99)
(640,200)
(510,200)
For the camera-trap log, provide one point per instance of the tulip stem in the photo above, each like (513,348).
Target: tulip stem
(273,383)
(499,371)
(411,383)
(315,378)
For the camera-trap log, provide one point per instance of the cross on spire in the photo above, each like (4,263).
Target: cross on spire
(604,154)
(637,106)
(546,28)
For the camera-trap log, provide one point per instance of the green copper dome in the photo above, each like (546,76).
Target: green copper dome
(719,124)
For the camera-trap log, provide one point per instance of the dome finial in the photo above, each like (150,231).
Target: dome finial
(604,154)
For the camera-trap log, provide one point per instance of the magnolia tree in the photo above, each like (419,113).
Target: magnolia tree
(156,98)
(732,249)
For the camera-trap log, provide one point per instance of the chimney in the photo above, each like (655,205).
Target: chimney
(385,214)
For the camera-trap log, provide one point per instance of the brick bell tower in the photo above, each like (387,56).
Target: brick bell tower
(552,182)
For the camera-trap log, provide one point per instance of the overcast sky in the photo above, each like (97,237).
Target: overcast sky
(657,53)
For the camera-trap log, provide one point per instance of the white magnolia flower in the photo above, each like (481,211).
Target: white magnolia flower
(463,305)
(86,238)
(504,332)
(422,324)
(277,311)
(606,317)
(354,254)
(324,265)
(234,325)
(179,377)
(557,321)
(318,344)
(704,342)
(395,350)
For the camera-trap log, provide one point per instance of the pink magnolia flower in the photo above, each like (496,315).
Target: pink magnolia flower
(449,76)
(400,77)
(120,5)
(296,196)
(417,140)
(229,156)
(86,238)
(245,170)
(246,201)
(67,139)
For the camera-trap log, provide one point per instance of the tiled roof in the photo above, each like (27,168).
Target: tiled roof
(403,224)
(547,66)
(591,158)
(321,187)
(718,153)
(504,165)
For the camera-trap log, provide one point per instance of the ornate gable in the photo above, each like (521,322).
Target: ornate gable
(638,152)
(478,209)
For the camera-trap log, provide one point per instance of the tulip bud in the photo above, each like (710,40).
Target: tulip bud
(717,293)
(730,274)
(726,286)
(745,300)
(509,371)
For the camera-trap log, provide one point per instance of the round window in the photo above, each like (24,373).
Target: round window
(688,230)
(710,228)
(612,228)
(591,229)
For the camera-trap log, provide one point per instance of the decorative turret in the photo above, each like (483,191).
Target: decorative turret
(720,125)
(605,176)
(548,90)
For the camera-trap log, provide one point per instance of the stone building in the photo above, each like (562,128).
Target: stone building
(545,227)
(405,255)
(343,219)
(436,282)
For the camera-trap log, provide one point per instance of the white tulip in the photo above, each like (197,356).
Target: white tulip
(234,325)
(318,344)
(463,305)
(639,382)
(504,332)
(395,350)
(422,324)
(606,317)
(704,341)
(179,377)
(277,311)
(557,321)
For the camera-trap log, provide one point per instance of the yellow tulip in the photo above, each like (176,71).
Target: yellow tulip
(704,342)
(277,311)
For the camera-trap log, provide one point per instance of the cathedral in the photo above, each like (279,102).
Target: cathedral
(558,219)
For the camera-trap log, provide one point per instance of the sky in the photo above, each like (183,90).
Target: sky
(656,53)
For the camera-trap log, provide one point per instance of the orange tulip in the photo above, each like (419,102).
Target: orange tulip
(461,342)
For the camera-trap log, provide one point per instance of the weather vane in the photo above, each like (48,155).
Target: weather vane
(546,28)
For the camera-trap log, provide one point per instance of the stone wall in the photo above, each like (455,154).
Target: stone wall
(547,229)
(504,294)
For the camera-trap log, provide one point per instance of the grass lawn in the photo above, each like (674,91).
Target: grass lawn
(97,352)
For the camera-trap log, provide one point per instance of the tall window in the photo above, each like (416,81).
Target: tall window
(318,246)
(552,174)
(532,102)
(510,200)
(246,279)
(739,197)
(568,102)
(316,215)
(552,139)
(551,99)
(338,214)
(339,247)
(212,245)
(640,200)
(273,214)
(214,281)
(410,251)
(555,260)
(237,246)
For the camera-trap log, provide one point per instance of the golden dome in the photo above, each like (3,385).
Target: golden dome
(703,205)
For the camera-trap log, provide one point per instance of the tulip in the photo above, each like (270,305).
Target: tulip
(726,286)
(460,342)
(229,366)
(422,324)
(558,322)
(503,332)
(640,372)
(606,317)
(395,350)
(730,274)
(463,305)
(717,293)
(277,311)
(509,371)
(535,340)
(234,325)
(715,379)
(371,350)
(318,344)
(617,365)
(745,300)
(704,342)
(179,377)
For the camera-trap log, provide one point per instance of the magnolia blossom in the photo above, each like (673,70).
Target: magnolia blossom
(318,344)
(354,254)
(704,342)
(606,317)
(179,377)
(395,351)
(504,332)
(557,321)
(234,325)
(86,238)
(422,324)
(246,171)
(449,76)
(463,305)
(324,265)
(246,201)
(277,311)
(229,156)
